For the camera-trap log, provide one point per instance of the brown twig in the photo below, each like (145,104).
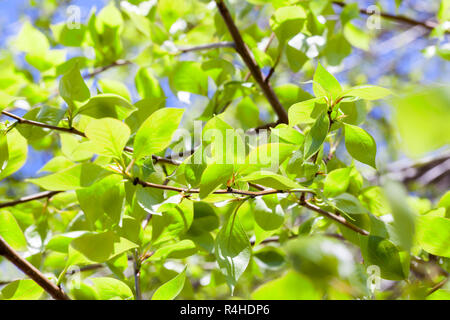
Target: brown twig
(249,60)
(208,46)
(27,268)
(312,207)
(37,196)
(77,132)
(99,70)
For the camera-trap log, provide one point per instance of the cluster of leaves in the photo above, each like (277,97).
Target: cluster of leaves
(214,228)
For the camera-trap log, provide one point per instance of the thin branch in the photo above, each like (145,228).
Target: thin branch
(43,125)
(99,70)
(249,60)
(312,207)
(430,25)
(334,217)
(77,132)
(27,268)
(437,286)
(137,275)
(208,46)
(37,196)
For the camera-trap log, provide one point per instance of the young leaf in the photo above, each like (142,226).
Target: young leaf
(393,263)
(305,111)
(337,182)
(268,213)
(360,145)
(107,246)
(4,152)
(17,153)
(324,84)
(287,288)
(433,235)
(316,136)
(11,232)
(22,290)
(179,250)
(172,288)
(107,105)
(233,250)
(214,176)
(155,134)
(366,92)
(111,289)
(76,177)
(72,86)
(271,179)
(109,136)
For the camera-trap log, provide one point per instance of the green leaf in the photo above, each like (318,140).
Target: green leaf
(272,180)
(366,92)
(360,145)
(266,157)
(357,37)
(375,200)
(306,111)
(147,85)
(232,250)
(76,177)
(444,202)
(433,235)
(102,202)
(4,152)
(107,246)
(31,40)
(393,263)
(107,105)
(189,76)
(114,87)
(268,213)
(109,136)
(287,21)
(291,286)
(271,258)
(316,135)
(22,290)
(179,250)
(404,216)
(17,153)
(111,289)
(149,199)
(72,86)
(319,257)
(213,177)
(11,232)
(337,182)
(172,288)
(324,84)
(155,134)
(422,118)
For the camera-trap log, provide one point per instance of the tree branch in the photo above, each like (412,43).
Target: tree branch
(208,46)
(305,204)
(334,217)
(27,268)
(77,132)
(430,25)
(99,70)
(249,60)
(42,125)
(37,196)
